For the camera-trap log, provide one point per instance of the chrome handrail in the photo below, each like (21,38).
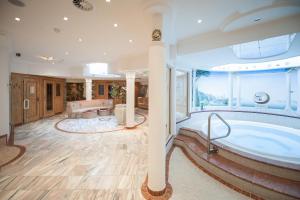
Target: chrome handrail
(209,139)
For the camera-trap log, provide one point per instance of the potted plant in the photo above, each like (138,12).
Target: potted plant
(118,93)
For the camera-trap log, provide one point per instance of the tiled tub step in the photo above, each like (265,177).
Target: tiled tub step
(283,170)
(247,180)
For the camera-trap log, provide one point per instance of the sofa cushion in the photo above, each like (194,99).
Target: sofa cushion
(83,106)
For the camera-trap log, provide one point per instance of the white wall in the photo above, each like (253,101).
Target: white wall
(43,69)
(4,84)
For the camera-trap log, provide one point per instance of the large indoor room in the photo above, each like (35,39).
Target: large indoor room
(150,99)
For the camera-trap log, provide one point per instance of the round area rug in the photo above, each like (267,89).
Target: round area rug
(100,124)
(10,153)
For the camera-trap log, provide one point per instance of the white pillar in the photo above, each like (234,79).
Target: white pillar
(238,85)
(230,89)
(130,91)
(288,91)
(173,101)
(298,91)
(88,89)
(157,120)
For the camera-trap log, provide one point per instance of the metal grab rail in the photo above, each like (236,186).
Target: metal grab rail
(209,150)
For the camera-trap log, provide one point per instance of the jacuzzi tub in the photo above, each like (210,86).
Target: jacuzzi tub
(261,139)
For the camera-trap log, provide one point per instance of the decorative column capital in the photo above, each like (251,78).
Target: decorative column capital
(88,80)
(130,75)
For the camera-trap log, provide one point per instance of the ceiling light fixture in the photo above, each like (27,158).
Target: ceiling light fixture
(67,53)
(80,40)
(257,19)
(115,25)
(199,21)
(66,18)
(108,1)
(130,41)
(17,19)
(105,53)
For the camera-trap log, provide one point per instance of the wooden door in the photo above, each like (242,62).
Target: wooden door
(31,108)
(59,97)
(16,99)
(101,90)
(49,98)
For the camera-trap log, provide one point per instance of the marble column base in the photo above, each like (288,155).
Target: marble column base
(164,194)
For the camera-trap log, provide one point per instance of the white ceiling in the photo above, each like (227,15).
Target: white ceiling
(212,12)
(225,55)
(34,36)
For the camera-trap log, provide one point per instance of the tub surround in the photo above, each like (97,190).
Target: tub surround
(250,182)
(273,167)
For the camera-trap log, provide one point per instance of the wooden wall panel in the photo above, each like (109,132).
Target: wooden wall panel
(17,96)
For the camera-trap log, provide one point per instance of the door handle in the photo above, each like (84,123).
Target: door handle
(26,104)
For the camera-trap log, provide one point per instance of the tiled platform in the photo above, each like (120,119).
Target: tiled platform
(248,181)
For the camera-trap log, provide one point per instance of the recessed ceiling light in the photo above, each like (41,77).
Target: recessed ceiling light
(17,19)
(105,53)
(130,41)
(199,21)
(66,18)
(80,40)
(67,53)
(257,19)
(107,1)
(115,25)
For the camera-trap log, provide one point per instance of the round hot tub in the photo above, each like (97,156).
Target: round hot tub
(261,139)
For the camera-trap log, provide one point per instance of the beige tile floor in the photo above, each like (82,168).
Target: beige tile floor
(60,165)
(104,166)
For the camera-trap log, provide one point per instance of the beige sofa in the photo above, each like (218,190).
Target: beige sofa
(76,108)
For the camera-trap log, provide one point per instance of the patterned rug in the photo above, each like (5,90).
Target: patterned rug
(100,124)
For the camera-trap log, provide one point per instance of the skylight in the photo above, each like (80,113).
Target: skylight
(276,64)
(264,48)
(97,70)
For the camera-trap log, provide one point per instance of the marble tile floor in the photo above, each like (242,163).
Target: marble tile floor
(58,165)
(106,166)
